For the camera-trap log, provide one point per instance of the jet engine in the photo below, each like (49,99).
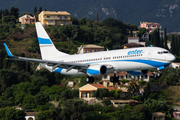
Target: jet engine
(138,72)
(96,70)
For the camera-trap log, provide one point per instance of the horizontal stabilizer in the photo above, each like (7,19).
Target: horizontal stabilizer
(8,51)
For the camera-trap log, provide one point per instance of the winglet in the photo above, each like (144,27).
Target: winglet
(8,51)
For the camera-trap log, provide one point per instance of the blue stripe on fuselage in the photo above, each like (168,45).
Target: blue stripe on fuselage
(44,41)
(144,61)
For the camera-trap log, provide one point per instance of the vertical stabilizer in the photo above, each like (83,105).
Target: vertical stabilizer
(48,50)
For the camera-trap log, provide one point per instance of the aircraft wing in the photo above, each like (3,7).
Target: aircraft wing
(48,62)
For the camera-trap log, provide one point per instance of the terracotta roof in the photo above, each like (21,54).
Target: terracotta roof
(31,113)
(111,88)
(55,13)
(150,73)
(98,85)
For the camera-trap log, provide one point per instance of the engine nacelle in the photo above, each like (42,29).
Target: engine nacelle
(138,72)
(96,70)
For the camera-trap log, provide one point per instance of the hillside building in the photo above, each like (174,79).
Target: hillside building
(89,48)
(55,18)
(27,19)
(151,26)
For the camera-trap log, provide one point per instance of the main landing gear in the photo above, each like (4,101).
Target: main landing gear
(90,79)
(114,78)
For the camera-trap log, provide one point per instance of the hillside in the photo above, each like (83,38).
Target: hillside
(129,11)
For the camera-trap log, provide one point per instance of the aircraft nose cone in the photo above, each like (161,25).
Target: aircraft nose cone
(171,58)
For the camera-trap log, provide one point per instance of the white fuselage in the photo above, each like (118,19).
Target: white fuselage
(141,58)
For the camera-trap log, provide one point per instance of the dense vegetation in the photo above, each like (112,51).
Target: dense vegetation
(21,85)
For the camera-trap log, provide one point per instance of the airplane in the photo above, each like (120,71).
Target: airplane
(136,61)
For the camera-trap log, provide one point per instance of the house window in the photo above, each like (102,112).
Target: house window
(50,21)
(83,95)
(120,77)
(55,16)
(51,16)
(59,22)
(105,76)
(32,20)
(128,76)
(90,94)
(90,50)
(99,50)
(65,17)
(65,22)
(60,17)
(48,16)
(122,95)
(107,84)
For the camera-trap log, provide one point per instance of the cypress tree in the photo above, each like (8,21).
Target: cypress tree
(156,38)
(40,9)
(1,14)
(35,10)
(173,45)
(179,45)
(165,39)
(176,45)
(162,42)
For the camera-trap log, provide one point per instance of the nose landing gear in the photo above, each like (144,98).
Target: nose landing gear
(114,78)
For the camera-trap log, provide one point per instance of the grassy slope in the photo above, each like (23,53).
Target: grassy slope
(173,93)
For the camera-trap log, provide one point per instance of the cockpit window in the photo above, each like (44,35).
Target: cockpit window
(163,52)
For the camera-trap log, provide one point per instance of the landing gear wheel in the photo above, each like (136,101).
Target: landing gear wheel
(90,79)
(114,79)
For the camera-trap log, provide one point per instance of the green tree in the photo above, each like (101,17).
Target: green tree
(5,12)
(1,14)
(14,11)
(74,21)
(162,42)
(173,51)
(40,10)
(74,109)
(12,114)
(41,98)
(101,93)
(9,19)
(44,115)
(133,87)
(141,32)
(35,10)
(165,39)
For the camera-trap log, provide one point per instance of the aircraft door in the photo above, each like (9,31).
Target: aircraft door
(150,54)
